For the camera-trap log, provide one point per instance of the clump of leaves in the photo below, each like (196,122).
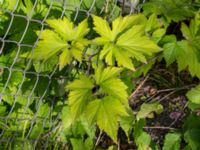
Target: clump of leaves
(102,97)
(125,41)
(64,39)
(170,9)
(186,49)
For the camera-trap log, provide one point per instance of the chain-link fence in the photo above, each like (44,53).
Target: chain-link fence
(32,94)
(35,110)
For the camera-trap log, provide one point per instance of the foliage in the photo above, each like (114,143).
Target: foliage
(172,10)
(61,41)
(69,73)
(142,139)
(172,141)
(146,109)
(126,40)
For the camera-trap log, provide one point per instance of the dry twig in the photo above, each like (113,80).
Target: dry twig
(139,87)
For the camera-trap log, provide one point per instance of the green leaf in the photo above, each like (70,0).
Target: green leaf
(186,31)
(85,89)
(79,144)
(194,95)
(127,122)
(10,96)
(111,99)
(172,10)
(89,129)
(81,30)
(112,148)
(181,51)
(134,40)
(45,66)
(102,75)
(141,138)
(190,47)
(192,131)
(124,42)
(16,78)
(63,27)
(18,124)
(116,88)
(146,109)
(43,110)
(66,117)
(158,35)
(193,106)
(28,6)
(144,69)
(143,141)
(106,113)
(168,39)
(10,5)
(192,137)
(64,39)
(192,121)
(65,58)
(80,95)
(191,31)
(190,54)
(2,110)
(110,84)
(171,52)
(121,24)
(36,131)
(152,23)
(172,141)
(102,27)
(50,44)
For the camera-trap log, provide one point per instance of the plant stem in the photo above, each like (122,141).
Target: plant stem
(98,140)
(90,63)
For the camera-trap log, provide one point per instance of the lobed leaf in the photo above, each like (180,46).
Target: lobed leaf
(146,109)
(194,95)
(172,141)
(107,117)
(125,42)
(80,95)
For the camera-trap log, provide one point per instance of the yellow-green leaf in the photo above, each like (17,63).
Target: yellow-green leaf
(65,58)
(50,44)
(102,75)
(102,27)
(146,109)
(80,95)
(126,41)
(106,113)
(110,84)
(194,95)
(63,27)
(64,38)
(81,30)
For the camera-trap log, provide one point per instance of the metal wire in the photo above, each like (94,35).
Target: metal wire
(12,67)
(53,122)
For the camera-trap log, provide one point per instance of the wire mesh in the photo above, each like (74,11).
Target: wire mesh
(24,122)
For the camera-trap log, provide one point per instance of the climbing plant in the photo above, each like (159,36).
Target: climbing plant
(67,69)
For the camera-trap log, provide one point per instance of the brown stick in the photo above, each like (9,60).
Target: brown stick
(98,140)
(160,127)
(139,87)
